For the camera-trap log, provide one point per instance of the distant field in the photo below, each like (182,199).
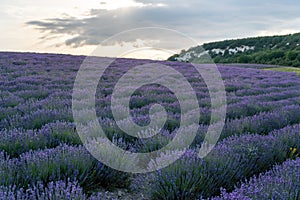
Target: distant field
(286,69)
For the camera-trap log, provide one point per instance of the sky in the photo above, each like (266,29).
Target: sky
(117,27)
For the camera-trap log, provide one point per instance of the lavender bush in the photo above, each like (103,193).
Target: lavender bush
(51,191)
(17,141)
(60,163)
(233,160)
(282,182)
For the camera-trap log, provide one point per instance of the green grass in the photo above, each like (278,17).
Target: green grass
(286,69)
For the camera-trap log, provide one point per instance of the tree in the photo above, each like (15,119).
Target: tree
(173,58)
(244,59)
(292,55)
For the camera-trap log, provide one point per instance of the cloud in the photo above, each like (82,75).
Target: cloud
(203,20)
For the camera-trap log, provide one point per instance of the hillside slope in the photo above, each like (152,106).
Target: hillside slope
(275,50)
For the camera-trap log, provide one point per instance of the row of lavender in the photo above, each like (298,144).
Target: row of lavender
(264,187)
(189,178)
(41,150)
(232,160)
(17,141)
(280,183)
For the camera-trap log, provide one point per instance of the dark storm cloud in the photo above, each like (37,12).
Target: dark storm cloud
(203,20)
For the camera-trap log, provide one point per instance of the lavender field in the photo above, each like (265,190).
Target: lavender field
(42,156)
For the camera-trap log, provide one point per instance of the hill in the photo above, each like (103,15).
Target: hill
(274,50)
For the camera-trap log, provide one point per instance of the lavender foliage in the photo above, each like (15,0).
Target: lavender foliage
(233,160)
(41,156)
(282,182)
